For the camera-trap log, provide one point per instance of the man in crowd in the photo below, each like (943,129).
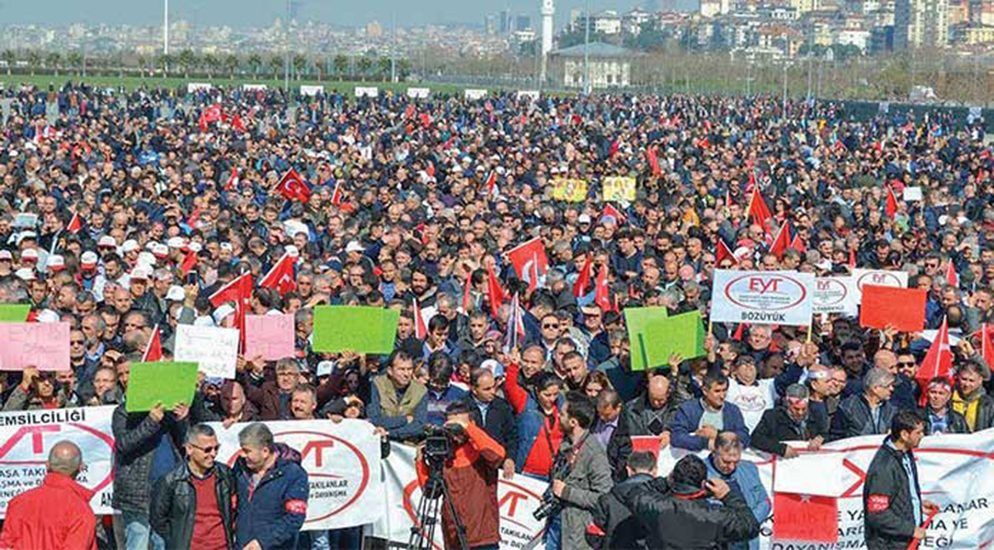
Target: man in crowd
(56,514)
(192,505)
(616,527)
(939,416)
(971,399)
(791,421)
(471,476)
(698,421)
(725,463)
(271,493)
(892,496)
(494,414)
(868,412)
(397,402)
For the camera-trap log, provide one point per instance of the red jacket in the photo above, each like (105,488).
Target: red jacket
(54,516)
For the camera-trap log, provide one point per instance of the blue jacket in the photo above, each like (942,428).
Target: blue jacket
(746,476)
(276,511)
(435,404)
(688,417)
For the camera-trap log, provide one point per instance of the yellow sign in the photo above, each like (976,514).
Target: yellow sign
(572,190)
(620,189)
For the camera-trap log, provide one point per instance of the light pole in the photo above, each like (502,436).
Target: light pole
(586,53)
(165,28)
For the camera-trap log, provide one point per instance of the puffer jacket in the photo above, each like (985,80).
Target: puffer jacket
(174,506)
(276,510)
(680,517)
(889,521)
(135,440)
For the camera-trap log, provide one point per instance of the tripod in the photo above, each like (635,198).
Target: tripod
(429,510)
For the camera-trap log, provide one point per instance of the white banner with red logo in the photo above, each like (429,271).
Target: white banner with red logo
(26,437)
(518,498)
(763,297)
(343,468)
(955,471)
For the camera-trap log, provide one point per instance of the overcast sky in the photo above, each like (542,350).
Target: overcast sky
(239,13)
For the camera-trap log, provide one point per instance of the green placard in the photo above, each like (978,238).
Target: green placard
(150,383)
(359,329)
(14,313)
(654,338)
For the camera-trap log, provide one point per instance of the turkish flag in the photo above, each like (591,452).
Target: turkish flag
(986,346)
(650,154)
(952,279)
(601,292)
(723,252)
(75,224)
(232,179)
(189,262)
(237,124)
(281,277)
(420,326)
(758,210)
(238,291)
(583,280)
(805,518)
(890,209)
(153,350)
(293,187)
(213,113)
(782,242)
(614,148)
(530,262)
(938,362)
(494,292)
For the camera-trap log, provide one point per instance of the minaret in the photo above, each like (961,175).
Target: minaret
(548,10)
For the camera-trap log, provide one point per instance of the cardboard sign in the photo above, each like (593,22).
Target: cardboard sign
(571,190)
(14,313)
(166,383)
(835,295)
(770,297)
(214,349)
(41,345)
(619,189)
(654,338)
(271,336)
(901,308)
(359,329)
(877,277)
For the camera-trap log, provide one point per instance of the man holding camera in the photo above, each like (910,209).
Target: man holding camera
(470,472)
(583,477)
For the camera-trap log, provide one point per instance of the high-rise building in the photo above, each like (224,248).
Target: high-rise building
(505,22)
(490,24)
(919,23)
(522,23)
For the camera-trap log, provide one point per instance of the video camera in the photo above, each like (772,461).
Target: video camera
(439,442)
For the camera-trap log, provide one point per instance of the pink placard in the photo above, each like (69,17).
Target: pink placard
(270,336)
(41,345)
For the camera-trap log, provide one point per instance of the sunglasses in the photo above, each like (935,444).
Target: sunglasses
(905,363)
(550,326)
(208,450)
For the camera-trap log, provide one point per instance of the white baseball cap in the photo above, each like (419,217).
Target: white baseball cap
(130,245)
(55,263)
(222,312)
(29,254)
(175,242)
(160,250)
(106,242)
(195,247)
(25,274)
(176,294)
(88,259)
(354,246)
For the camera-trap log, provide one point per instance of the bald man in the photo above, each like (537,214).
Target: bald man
(903,396)
(651,413)
(55,514)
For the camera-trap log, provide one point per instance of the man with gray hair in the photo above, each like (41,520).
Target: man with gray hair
(868,413)
(191,506)
(272,492)
(55,514)
(725,463)
(790,421)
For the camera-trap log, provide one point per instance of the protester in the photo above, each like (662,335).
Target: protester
(868,412)
(494,414)
(939,416)
(397,403)
(971,399)
(616,527)
(697,422)
(792,421)
(892,497)
(471,476)
(725,463)
(192,505)
(271,492)
(56,514)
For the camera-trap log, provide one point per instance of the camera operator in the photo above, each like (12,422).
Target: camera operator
(470,472)
(677,515)
(582,477)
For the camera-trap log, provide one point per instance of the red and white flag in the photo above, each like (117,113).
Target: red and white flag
(238,291)
(613,214)
(782,241)
(188,263)
(336,195)
(75,224)
(420,326)
(805,519)
(583,279)
(758,210)
(495,293)
(602,295)
(890,209)
(232,179)
(293,187)
(986,345)
(530,262)
(722,252)
(952,278)
(938,362)
(281,276)
(153,350)
(491,183)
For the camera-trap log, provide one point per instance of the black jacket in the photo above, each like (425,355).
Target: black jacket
(619,448)
(500,423)
(681,518)
(622,530)
(135,440)
(854,419)
(174,506)
(889,521)
(776,426)
(955,423)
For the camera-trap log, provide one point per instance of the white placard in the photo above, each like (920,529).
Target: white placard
(214,349)
(474,94)
(913,194)
(311,90)
(835,295)
(773,297)
(192,87)
(367,91)
(254,87)
(531,95)
(877,277)
(342,461)
(418,93)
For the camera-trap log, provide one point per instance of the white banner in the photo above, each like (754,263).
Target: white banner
(954,471)
(530,95)
(343,468)
(518,499)
(418,93)
(192,87)
(367,91)
(877,277)
(26,437)
(311,90)
(835,295)
(474,94)
(768,297)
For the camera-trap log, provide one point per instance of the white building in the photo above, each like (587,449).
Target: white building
(610,66)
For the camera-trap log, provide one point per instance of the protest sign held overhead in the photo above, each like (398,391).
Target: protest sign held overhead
(769,297)
(214,350)
(358,329)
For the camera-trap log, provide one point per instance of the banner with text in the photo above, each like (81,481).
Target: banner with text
(343,468)
(955,471)
(767,297)
(26,437)
(518,498)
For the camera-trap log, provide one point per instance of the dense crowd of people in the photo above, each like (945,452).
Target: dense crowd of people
(127,212)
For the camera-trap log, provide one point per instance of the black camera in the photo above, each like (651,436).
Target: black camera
(439,442)
(551,504)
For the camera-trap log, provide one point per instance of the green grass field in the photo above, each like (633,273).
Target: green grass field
(131,82)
